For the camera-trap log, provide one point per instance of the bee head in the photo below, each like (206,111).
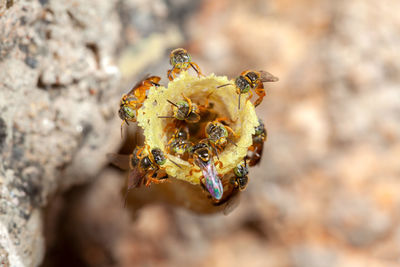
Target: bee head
(242,84)
(158,156)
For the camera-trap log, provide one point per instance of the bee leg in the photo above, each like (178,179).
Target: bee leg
(193,170)
(250,96)
(170,75)
(215,151)
(122,124)
(231,131)
(140,150)
(219,163)
(149,151)
(222,119)
(261,93)
(196,68)
(150,178)
(161,177)
(189,102)
(205,106)
(133,103)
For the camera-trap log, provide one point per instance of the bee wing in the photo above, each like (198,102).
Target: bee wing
(212,181)
(267,77)
(135,178)
(139,83)
(119,160)
(232,203)
(259,150)
(193,117)
(255,158)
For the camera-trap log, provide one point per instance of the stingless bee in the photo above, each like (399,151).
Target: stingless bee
(184,111)
(256,149)
(133,100)
(179,143)
(217,135)
(250,79)
(181,60)
(202,157)
(144,167)
(241,171)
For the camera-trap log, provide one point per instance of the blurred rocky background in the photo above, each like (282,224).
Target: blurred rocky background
(325,195)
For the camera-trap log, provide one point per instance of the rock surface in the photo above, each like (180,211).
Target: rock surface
(56,106)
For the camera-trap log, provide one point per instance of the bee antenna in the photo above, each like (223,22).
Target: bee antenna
(239,100)
(194,68)
(165,117)
(172,103)
(216,152)
(224,85)
(179,166)
(230,141)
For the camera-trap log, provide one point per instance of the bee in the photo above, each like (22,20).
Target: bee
(202,157)
(249,79)
(184,111)
(134,99)
(181,60)
(144,167)
(256,149)
(241,171)
(179,143)
(217,135)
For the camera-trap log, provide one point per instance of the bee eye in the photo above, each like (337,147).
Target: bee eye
(129,112)
(173,61)
(246,89)
(161,161)
(182,104)
(238,172)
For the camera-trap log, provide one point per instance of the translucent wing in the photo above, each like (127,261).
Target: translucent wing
(255,156)
(138,84)
(268,77)
(119,160)
(212,181)
(232,203)
(135,178)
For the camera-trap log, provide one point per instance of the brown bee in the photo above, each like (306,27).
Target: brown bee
(181,60)
(179,143)
(145,168)
(240,180)
(203,158)
(133,100)
(256,149)
(217,135)
(250,79)
(184,111)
